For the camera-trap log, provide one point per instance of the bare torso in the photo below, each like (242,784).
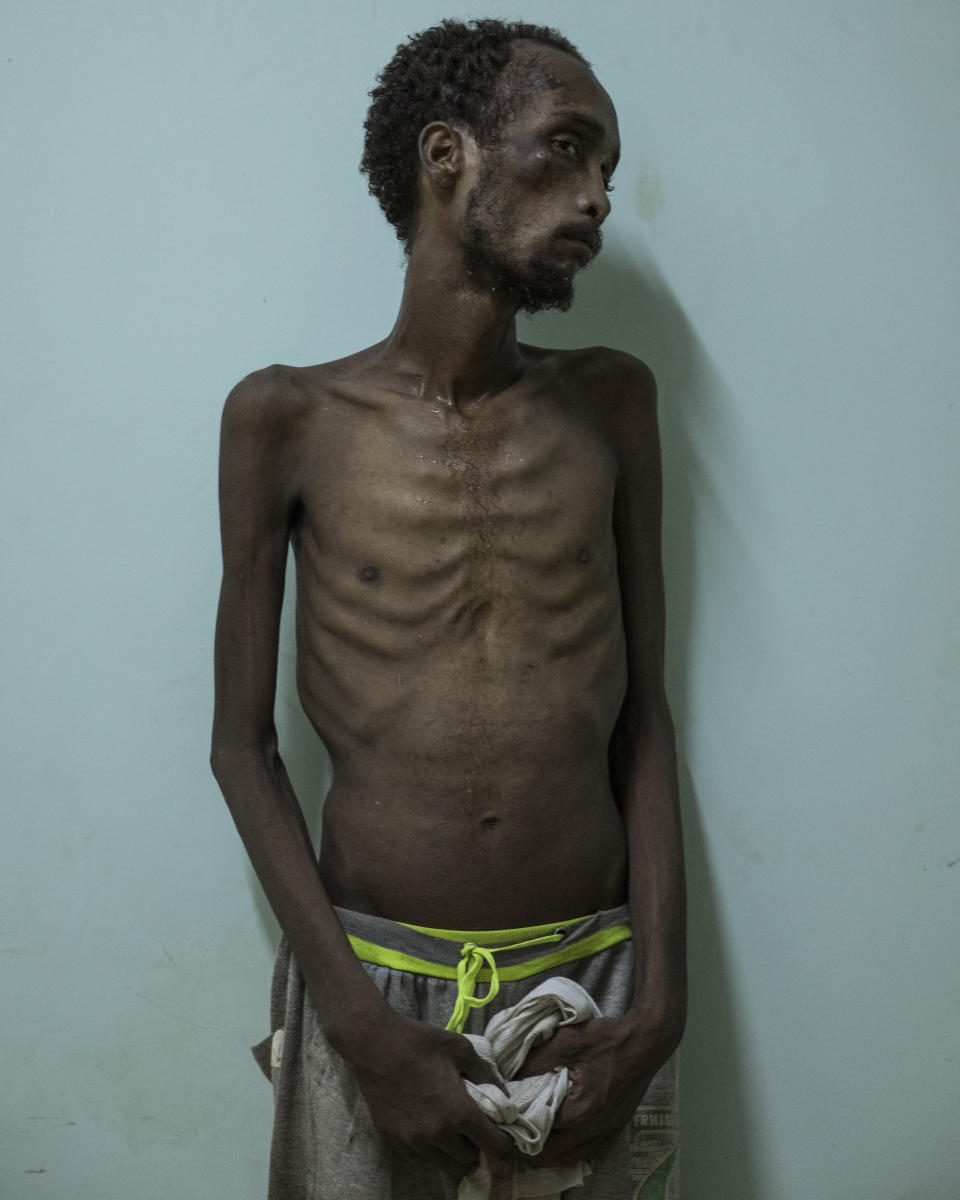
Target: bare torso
(460,644)
(476,527)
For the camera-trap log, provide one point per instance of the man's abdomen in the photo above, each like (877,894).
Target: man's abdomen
(480,798)
(430,860)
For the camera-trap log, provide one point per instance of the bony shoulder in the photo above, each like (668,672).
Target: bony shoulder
(602,361)
(272,384)
(617,367)
(274,394)
(614,378)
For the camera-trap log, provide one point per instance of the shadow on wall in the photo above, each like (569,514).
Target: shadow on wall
(624,302)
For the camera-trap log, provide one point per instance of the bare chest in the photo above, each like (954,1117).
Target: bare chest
(493,500)
(449,571)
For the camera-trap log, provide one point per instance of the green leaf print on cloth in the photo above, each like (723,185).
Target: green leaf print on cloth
(655,1188)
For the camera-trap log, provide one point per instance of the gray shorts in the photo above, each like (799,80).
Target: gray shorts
(324,1144)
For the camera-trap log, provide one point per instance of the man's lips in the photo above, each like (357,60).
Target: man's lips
(587,235)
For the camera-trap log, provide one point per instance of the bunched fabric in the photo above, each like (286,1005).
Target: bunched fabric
(526,1108)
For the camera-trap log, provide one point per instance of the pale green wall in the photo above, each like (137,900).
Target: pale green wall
(181,205)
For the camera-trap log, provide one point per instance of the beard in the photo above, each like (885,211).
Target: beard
(532,284)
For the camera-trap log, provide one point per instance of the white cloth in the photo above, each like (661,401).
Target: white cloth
(526,1108)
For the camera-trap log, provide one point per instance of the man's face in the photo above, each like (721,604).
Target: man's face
(533,216)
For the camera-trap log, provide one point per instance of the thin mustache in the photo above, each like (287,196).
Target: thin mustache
(583,232)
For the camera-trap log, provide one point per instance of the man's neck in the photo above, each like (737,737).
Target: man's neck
(454,340)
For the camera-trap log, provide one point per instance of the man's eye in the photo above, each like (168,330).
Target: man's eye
(565,146)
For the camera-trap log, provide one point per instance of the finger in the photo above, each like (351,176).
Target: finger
(570,1145)
(566,1147)
(452,1169)
(487,1136)
(461,1149)
(573,1139)
(469,1063)
(466,1156)
(455,1157)
(477,1071)
(558,1051)
(588,1151)
(541,1062)
(570,1159)
(412,1153)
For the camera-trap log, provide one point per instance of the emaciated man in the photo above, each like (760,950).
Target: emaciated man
(480,640)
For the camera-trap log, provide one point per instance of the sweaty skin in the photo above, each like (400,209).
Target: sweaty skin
(479,635)
(460,646)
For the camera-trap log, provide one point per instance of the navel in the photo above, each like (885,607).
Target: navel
(490,822)
(479,616)
(584,556)
(369,574)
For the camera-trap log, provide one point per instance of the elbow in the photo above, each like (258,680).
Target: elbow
(222,753)
(218,761)
(233,755)
(222,764)
(640,721)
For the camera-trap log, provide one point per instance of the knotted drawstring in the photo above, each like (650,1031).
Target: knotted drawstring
(473,959)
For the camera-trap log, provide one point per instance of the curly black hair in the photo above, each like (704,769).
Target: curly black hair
(448,72)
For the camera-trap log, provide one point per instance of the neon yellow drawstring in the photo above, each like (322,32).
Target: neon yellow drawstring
(473,959)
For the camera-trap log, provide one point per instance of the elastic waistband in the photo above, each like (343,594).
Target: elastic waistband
(497,937)
(468,955)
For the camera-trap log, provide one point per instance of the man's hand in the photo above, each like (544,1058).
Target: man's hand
(411,1076)
(611,1061)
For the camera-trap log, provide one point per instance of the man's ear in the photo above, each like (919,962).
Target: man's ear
(442,154)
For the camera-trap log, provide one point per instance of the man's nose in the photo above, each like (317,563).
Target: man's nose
(594,201)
